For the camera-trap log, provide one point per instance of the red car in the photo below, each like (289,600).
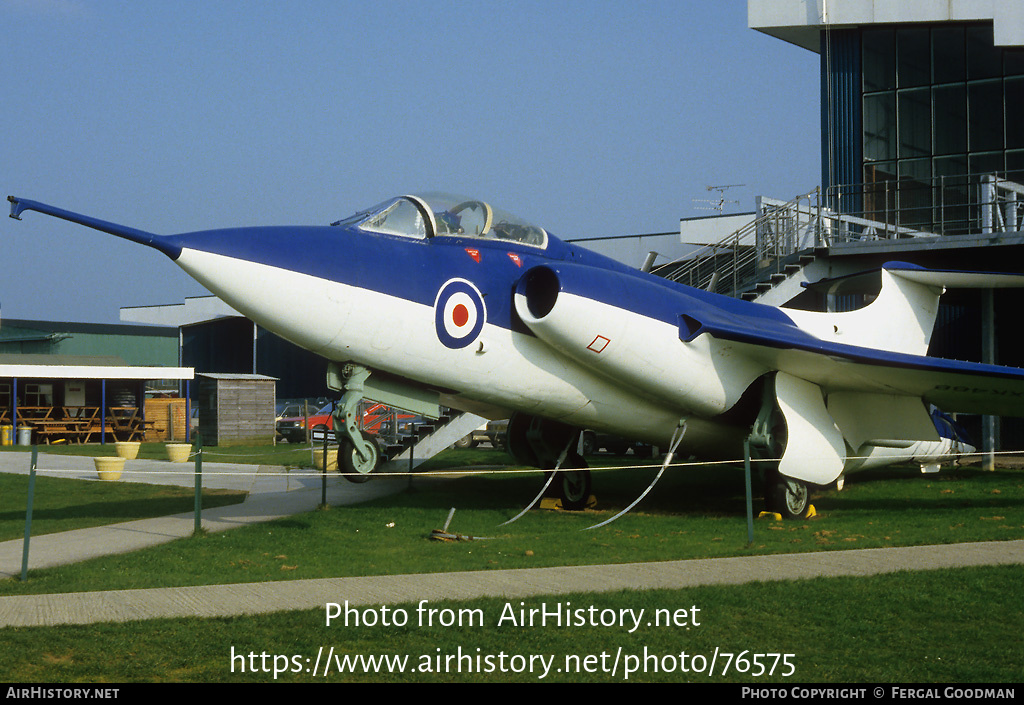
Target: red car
(376,418)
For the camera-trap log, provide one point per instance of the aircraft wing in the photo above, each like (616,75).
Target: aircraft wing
(952,385)
(830,393)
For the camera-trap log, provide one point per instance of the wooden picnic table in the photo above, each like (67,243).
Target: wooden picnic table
(81,412)
(49,430)
(29,414)
(81,424)
(126,423)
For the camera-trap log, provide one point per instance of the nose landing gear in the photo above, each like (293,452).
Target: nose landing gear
(358,453)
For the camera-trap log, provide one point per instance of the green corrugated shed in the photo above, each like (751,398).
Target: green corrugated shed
(135,344)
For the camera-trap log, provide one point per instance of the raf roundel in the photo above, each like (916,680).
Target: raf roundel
(459,313)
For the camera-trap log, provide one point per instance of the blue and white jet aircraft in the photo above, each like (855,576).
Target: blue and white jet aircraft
(432,299)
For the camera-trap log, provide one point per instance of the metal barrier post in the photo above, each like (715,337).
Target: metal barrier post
(28,513)
(199,483)
(323,471)
(750,499)
(988,198)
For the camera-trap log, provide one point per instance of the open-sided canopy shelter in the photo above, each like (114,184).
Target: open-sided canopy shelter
(80,402)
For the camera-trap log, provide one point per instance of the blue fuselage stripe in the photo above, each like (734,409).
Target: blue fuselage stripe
(415,270)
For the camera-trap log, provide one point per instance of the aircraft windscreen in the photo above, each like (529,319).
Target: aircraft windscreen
(362,215)
(399,217)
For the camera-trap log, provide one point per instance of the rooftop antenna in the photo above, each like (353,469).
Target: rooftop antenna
(719,203)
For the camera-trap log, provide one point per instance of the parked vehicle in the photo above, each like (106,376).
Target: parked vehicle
(377,419)
(292,425)
(492,432)
(497,432)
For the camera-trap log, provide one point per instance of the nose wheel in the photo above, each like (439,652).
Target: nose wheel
(358,452)
(358,462)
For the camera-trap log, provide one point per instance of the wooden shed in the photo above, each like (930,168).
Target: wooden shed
(235,409)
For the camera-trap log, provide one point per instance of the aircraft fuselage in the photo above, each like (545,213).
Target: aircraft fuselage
(379,300)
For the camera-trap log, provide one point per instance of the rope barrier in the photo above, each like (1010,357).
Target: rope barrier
(472,470)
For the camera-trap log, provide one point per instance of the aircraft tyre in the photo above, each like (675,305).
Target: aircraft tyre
(574,489)
(357,469)
(790,498)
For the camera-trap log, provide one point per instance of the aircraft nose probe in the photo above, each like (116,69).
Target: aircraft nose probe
(170,246)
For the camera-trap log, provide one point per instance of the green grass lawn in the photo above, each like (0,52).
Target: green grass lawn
(689,514)
(952,626)
(281,454)
(958,626)
(61,504)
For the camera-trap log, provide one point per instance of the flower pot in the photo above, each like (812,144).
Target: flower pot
(332,459)
(109,468)
(178,452)
(129,450)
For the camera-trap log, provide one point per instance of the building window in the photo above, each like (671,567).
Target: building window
(879,52)
(879,127)
(984,60)
(914,111)
(985,116)
(950,119)
(949,56)
(38,395)
(941,107)
(913,67)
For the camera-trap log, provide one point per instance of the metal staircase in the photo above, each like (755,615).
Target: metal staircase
(769,254)
(428,439)
(404,448)
(769,259)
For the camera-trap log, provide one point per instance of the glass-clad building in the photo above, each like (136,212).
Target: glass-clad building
(940,108)
(922,104)
(922,135)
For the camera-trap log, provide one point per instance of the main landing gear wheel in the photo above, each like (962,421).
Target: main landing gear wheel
(574,489)
(790,498)
(358,467)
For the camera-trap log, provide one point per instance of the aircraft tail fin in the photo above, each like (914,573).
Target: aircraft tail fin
(902,317)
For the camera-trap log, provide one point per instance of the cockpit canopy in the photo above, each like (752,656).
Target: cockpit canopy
(435,214)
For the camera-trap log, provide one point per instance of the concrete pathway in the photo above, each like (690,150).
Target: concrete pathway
(275,494)
(257,598)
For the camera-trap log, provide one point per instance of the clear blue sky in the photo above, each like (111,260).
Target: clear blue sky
(590,118)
